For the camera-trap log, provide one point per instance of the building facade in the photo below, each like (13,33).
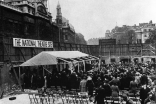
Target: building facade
(30,19)
(131,34)
(67,32)
(108,34)
(26,29)
(24,20)
(80,38)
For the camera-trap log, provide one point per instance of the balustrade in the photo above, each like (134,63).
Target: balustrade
(10,6)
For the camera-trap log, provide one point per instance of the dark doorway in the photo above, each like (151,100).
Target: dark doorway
(112,60)
(125,60)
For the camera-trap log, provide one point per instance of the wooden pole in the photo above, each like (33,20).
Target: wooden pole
(43,72)
(78,67)
(99,64)
(19,74)
(84,66)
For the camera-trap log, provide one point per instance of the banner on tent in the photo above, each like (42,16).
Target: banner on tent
(19,42)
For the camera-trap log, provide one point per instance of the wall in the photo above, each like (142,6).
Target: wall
(22,54)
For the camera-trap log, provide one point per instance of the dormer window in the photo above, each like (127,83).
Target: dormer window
(42,10)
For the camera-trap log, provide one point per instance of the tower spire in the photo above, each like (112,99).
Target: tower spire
(59,9)
(59,14)
(58,5)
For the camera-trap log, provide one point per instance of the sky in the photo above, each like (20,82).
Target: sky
(93,17)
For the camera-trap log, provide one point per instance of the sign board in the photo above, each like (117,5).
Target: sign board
(19,42)
(107,41)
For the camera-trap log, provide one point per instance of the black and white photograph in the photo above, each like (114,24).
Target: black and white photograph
(77,51)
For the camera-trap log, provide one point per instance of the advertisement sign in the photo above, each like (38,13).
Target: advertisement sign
(19,42)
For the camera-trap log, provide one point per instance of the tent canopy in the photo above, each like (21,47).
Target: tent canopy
(50,57)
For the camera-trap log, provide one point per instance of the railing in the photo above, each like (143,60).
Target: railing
(22,2)
(29,3)
(10,6)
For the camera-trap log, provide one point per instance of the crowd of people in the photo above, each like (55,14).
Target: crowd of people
(136,78)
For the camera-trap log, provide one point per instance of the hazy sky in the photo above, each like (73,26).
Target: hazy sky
(93,17)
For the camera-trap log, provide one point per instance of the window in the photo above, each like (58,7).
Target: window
(66,37)
(33,12)
(64,30)
(145,35)
(138,40)
(29,11)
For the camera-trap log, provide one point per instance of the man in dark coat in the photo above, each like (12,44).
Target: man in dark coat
(115,80)
(100,95)
(144,93)
(133,86)
(144,79)
(107,87)
(90,86)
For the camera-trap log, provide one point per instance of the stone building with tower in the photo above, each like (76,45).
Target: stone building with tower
(30,21)
(67,32)
(26,29)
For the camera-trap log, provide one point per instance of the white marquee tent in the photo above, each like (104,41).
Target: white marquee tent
(51,57)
